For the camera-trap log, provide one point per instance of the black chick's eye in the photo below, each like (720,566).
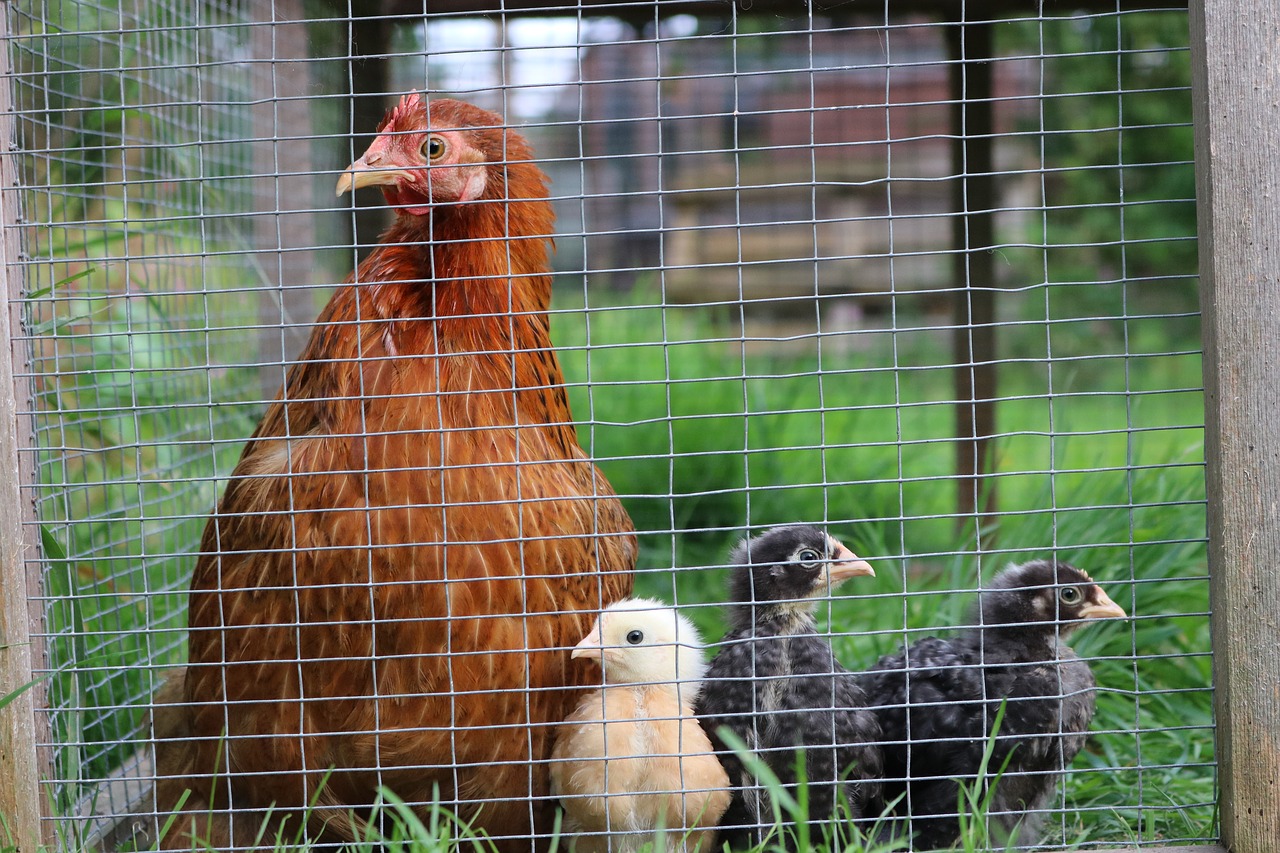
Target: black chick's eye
(808,558)
(1069,595)
(434,148)
(635,638)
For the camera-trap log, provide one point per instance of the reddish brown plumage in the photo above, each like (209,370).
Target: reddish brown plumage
(413,519)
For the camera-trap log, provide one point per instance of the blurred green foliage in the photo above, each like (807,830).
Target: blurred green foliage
(1119,221)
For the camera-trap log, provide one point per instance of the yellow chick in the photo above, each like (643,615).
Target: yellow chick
(631,765)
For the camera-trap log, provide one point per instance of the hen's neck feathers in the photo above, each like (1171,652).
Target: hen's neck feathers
(477,262)
(470,280)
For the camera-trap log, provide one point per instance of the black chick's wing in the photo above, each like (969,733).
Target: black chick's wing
(818,723)
(928,701)
(826,714)
(1048,708)
(731,699)
(732,696)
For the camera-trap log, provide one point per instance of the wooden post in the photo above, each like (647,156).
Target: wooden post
(284,160)
(19,768)
(1235,47)
(19,763)
(972,235)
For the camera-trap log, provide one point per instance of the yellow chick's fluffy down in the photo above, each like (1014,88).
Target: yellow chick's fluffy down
(631,765)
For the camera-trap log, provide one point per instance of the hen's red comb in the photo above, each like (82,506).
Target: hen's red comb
(406,109)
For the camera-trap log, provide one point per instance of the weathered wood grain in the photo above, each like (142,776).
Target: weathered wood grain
(1236,78)
(19,767)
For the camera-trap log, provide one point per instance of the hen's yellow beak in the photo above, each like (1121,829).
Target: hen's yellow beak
(361,173)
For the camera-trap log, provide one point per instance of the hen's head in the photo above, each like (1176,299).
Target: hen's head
(786,568)
(641,640)
(441,152)
(1045,593)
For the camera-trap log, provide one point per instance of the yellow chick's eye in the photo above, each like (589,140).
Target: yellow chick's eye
(635,638)
(434,147)
(1069,595)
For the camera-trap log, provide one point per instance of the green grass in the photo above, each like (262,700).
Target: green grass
(852,438)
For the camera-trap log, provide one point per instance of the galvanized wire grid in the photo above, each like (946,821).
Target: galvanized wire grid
(759,311)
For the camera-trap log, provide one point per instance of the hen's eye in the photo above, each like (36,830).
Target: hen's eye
(1069,595)
(433,148)
(635,638)
(808,557)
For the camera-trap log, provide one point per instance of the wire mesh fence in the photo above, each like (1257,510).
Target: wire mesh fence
(927,284)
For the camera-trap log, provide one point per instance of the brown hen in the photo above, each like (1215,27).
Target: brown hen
(412,541)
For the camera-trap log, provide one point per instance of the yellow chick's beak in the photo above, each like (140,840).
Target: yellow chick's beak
(363,173)
(590,646)
(1103,608)
(845,564)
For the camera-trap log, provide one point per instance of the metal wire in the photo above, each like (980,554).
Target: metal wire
(758,308)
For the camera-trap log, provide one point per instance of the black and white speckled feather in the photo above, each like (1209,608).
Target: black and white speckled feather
(776,684)
(937,699)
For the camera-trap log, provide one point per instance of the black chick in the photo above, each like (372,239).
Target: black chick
(1013,651)
(777,685)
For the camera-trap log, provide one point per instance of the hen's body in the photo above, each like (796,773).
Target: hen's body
(413,539)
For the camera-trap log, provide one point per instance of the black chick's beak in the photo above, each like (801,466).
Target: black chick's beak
(845,564)
(1100,606)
